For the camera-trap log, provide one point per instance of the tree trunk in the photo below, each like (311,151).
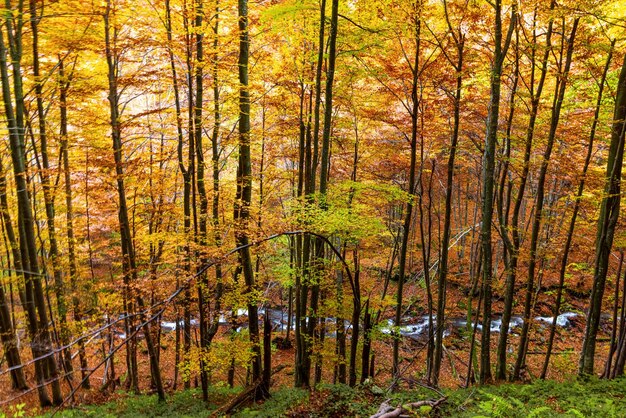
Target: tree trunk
(408,215)
(613,342)
(572,224)
(609,214)
(44,172)
(306,188)
(64,84)
(189,190)
(459,40)
(504,206)
(559,94)
(182,169)
(513,244)
(7,330)
(35,301)
(128,252)
(243,198)
(215,201)
(488,184)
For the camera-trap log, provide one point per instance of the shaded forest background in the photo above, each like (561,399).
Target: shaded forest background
(187,187)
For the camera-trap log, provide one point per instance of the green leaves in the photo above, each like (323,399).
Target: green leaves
(351,211)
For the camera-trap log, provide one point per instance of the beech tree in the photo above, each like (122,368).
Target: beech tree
(609,214)
(28,264)
(378,182)
(129,261)
(500,51)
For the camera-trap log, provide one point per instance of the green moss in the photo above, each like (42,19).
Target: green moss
(576,398)
(593,398)
(181,404)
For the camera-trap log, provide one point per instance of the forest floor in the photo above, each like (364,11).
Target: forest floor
(592,398)
(559,393)
(561,396)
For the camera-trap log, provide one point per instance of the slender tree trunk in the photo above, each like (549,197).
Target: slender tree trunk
(306,188)
(510,245)
(408,215)
(620,355)
(356,315)
(215,161)
(243,196)
(459,40)
(513,244)
(128,252)
(572,224)
(7,330)
(203,283)
(64,83)
(356,283)
(609,214)
(318,244)
(367,343)
(613,343)
(340,369)
(538,215)
(48,193)
(426,245)
(41,343)
(267,353)
(488,183)
(189,191)
(183,170)
(301,379)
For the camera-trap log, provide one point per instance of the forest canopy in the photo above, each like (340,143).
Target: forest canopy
(206,192)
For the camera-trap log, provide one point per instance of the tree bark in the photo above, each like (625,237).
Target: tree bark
(44,173)
(609,214)
(488,183)
(35,300)
(408,215)
(64,84)
(129,265)
(243,197)
(572,224)
(459,40)
(7,330)
(559,94)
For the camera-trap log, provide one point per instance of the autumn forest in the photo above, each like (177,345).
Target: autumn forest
(283,193)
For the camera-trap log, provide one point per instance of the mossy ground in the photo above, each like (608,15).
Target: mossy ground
(576,398)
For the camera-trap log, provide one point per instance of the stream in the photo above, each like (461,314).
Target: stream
(413,328)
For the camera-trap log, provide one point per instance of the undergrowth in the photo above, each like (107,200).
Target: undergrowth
(592,398)
(542,399)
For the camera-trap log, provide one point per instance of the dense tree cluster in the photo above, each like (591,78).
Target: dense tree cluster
(199,166)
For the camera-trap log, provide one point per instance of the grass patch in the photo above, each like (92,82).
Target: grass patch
(593,398)
(572,399)
(282,400)
(180,404)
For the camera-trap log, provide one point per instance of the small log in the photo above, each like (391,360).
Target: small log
(383,409)
(387,411)
(249,394)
